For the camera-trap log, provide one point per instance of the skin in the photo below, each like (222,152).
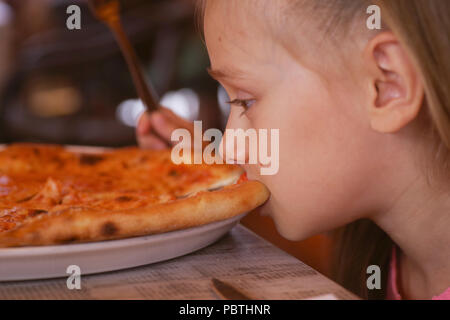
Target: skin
(350,143)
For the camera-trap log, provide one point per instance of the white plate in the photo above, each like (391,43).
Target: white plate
(52,261)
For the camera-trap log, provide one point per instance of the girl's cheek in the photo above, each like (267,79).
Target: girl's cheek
(252,172)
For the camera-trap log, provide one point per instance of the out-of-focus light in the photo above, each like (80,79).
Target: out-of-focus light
(184,102)
(6,13)
(129,111)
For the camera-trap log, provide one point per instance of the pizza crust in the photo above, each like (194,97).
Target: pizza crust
(78,224)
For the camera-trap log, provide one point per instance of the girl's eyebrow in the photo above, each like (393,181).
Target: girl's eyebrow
(225,74)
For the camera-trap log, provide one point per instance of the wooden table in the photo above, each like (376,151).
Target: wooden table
(241,258)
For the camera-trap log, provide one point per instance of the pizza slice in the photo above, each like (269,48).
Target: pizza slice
(78,197)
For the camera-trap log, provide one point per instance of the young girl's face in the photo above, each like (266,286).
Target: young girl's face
(328,153)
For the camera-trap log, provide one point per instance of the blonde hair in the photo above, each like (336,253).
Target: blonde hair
(423,28)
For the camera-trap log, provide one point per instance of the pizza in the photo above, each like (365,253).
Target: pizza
(52,195)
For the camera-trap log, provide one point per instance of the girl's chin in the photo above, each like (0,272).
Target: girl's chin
(265,210)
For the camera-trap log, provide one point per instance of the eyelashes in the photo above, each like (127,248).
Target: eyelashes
(246,104)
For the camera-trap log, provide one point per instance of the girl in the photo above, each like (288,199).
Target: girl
(364,123)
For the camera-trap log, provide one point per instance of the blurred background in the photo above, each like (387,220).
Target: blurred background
(73,87)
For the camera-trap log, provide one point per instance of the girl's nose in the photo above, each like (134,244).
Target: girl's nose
(231,150)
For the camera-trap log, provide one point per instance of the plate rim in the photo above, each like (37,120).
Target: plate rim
(69,147)
(15,252)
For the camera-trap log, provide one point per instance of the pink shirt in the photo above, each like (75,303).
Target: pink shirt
(392,289)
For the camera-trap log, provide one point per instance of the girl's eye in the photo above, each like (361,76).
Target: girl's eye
(246,104)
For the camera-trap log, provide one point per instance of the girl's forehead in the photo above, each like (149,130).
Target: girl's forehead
(243,12)
(233,31)
(239,5)
(238,20)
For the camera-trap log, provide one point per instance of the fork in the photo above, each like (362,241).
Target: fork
(108,11)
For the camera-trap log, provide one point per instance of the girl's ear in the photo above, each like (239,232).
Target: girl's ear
(395,82)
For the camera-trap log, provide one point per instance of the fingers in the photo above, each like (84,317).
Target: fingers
(154,130)
(176,120)
(144,124)
(163,126)
(147,138)
(151,142)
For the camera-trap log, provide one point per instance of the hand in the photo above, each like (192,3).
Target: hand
(154,130)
